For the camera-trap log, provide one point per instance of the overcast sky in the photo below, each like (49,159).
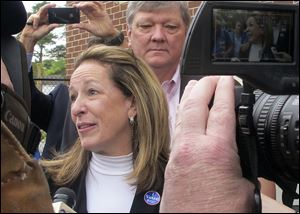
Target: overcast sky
(28,4)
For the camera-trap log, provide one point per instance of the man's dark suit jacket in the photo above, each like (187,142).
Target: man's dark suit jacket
(52,114)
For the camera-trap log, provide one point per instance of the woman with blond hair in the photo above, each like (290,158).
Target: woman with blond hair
(121,115)
(260,39)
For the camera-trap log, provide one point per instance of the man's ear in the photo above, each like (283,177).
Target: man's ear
(129,35)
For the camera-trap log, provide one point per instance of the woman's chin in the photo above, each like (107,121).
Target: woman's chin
(88,145)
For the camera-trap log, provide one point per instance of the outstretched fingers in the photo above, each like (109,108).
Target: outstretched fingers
(193,110)
(222,121)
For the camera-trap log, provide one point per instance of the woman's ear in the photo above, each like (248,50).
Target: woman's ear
(132,109)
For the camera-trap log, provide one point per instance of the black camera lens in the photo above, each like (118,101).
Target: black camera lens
(276,120)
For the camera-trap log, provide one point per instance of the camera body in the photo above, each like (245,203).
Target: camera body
(63,15)
(259,43)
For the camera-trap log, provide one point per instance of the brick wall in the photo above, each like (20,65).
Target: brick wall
(77,39)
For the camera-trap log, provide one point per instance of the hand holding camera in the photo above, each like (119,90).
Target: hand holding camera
(99,23)
(268,125)
(37,27)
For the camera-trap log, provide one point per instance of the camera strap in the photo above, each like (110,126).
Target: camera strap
(14,114)
(247,144)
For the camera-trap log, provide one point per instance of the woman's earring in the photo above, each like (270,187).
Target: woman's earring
(131,121)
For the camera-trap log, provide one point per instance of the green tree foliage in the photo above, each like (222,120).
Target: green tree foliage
(49,39)
(54,67)
(58,52)
(55,62)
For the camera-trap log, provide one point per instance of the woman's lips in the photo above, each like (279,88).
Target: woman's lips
(85,127)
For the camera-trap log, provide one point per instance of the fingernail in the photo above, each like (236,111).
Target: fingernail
(192,82)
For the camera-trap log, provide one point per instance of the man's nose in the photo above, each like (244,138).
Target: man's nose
(158,34)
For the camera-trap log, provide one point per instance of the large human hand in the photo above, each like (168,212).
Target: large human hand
(99,23)
(204,173)
(39,28)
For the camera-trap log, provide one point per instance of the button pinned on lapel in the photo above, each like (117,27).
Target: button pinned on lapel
(152,198)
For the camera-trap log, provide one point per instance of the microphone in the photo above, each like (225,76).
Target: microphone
(64,200)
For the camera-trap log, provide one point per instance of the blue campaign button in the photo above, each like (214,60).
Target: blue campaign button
(152,198)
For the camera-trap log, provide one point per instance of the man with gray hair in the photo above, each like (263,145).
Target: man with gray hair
(156,32)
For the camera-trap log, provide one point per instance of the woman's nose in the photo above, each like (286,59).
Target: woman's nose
(78,107)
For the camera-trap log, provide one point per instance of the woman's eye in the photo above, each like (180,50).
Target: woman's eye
(92,92)
(72,98)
